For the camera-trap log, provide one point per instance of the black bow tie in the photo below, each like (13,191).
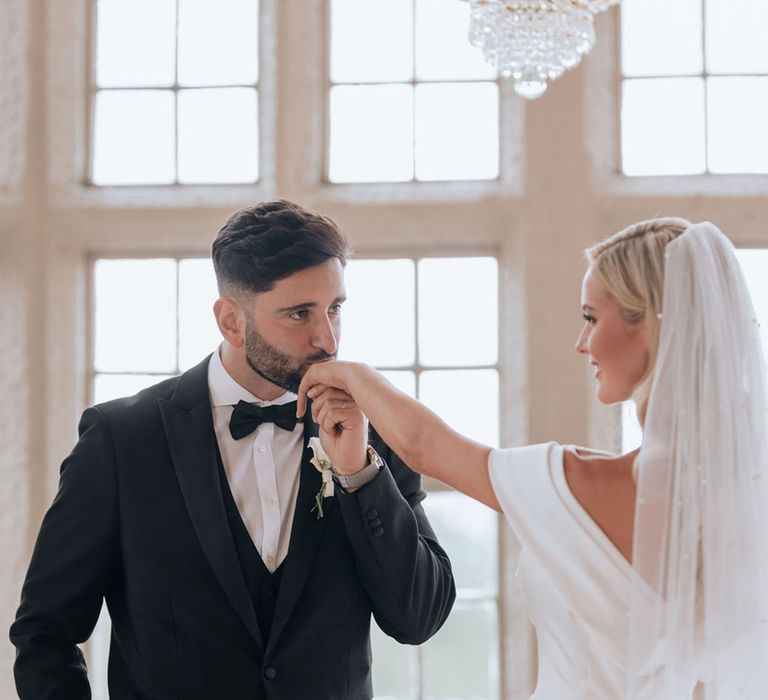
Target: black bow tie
(247,417)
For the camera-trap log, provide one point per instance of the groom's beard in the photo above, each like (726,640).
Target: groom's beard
(275,366)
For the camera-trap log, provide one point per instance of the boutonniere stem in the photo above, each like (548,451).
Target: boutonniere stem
(323,464)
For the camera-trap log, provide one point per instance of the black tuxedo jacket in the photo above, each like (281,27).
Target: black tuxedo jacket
(139,520)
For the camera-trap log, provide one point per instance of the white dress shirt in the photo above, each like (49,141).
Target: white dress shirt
(262,468)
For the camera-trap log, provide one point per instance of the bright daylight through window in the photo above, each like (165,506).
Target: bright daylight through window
(183,109)
(421,353)
(697,102)
(408,102)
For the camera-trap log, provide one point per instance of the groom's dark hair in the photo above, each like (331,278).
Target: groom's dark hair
(264,243)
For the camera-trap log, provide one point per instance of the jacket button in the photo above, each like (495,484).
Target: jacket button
(270,673)
(372,514)
(375,523)
(377,531)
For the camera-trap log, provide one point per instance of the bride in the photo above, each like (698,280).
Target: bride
(645,574)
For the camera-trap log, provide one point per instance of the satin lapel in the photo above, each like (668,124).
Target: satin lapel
(306,535)
(188,424)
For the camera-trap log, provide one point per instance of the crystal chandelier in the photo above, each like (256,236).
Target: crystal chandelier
(533,41)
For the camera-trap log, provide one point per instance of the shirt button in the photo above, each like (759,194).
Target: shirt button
(262,448)
(270,673)
(270,500)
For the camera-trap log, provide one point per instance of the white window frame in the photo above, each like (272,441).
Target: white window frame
(511,128)
(604,79)
(432,485)
(96,649)
(94,89)
(74,44)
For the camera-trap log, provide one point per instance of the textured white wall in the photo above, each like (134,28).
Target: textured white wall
(18,332)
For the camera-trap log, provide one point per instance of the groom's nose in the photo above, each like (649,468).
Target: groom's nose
(325,335)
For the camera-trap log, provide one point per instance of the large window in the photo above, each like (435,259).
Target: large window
(431,325)
(153,319)
(410,98)
(176,94)
(695,86)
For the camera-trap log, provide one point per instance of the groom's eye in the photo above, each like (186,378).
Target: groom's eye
(299,314)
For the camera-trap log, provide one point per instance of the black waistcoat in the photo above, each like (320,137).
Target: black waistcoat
(262,585)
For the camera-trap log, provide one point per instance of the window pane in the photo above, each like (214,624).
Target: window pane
(198,333)
(218,135)
(113,386)
(405,381)
(458,311)
(218,42)
(467,530)
(461,660)
(457,131)
(378,324)
(371,40)
(394,667)
(468,400)
(659,37)
(122,26)
(443,51)
(631,432)
(371,133)
(135,315)
(736,36)
(133,141)
(663,126)
(737,116)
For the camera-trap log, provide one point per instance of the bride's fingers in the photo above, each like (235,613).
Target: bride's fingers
(333,409)
(334,413)
(329,394)
(307,391)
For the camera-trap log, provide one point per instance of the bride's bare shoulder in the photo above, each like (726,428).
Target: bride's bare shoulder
(585,466)
(603,485)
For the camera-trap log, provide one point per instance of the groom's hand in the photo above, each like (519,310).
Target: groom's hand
(343,429)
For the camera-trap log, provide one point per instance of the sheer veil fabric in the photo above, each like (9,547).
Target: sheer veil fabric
(699,594)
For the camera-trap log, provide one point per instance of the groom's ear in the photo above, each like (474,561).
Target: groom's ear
(230,319)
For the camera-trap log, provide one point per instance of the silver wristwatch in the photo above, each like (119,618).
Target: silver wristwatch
(358,479)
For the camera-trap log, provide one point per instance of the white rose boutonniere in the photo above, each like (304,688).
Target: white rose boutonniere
(323,465)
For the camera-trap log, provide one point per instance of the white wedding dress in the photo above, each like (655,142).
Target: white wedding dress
(576,583)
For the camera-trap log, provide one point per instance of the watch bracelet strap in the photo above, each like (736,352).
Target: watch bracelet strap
(362,477)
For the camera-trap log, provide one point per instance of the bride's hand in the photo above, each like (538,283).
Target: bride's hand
(321,376)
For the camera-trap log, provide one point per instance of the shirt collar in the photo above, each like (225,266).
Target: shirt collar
(225,391)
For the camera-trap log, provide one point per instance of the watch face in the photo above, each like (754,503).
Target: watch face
(374,458)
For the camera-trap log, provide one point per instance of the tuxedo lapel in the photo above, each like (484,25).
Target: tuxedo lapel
(188,424)
(306,535)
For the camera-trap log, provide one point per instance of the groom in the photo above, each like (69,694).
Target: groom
(193,509)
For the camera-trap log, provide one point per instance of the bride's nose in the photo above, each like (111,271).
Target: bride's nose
(581,340)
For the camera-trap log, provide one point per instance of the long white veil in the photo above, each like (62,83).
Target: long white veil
(699,600)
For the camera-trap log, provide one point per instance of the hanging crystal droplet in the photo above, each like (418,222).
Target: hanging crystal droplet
(533,41)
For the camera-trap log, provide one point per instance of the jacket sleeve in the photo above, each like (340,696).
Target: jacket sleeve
(64,588)
(400,563)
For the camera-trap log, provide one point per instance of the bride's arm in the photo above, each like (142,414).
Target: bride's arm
(421,439)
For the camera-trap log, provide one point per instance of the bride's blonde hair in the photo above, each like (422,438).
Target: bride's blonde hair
(630,266)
